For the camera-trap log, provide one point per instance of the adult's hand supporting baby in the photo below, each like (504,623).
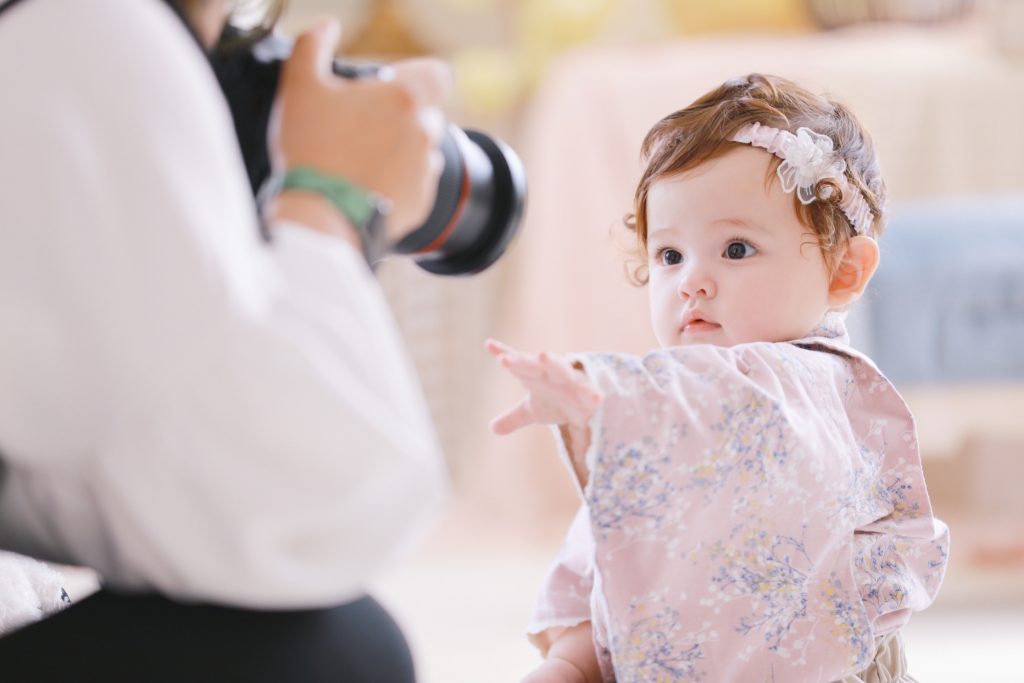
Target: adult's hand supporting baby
(557,393)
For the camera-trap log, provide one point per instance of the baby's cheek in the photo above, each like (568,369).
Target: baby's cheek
(755,319)
(662,311)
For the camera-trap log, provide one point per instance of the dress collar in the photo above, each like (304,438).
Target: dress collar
(832,326)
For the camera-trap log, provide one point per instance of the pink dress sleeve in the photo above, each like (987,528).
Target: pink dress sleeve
(899,549)
(564,596)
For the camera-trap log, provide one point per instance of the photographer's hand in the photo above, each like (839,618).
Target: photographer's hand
(382,135)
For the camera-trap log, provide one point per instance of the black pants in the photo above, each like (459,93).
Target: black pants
(114,637)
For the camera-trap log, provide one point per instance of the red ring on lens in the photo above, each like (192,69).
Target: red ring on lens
(450,228)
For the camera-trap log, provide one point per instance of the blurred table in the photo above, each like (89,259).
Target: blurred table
(942,106)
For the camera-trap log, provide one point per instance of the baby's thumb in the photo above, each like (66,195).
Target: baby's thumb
(314,51)
(511,420)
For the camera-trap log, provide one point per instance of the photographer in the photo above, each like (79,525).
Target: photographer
(226,428)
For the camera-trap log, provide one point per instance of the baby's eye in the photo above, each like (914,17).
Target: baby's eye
(669,257)
(738,249)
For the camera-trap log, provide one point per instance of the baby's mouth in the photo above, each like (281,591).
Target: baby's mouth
(699,326)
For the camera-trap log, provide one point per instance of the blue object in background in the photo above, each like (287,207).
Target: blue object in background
(947,302)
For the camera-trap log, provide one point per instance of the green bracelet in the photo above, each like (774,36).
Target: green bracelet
(363,209)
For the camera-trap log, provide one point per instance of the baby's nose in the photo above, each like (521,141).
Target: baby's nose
(696,282)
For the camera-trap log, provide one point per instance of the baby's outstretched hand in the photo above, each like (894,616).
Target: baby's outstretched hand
(556,392)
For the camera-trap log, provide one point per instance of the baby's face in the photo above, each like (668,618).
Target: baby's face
(729,260)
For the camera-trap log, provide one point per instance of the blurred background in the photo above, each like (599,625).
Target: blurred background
(573,85)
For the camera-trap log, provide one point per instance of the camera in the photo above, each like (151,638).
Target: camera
(480,194)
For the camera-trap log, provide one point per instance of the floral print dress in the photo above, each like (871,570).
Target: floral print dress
(753,513)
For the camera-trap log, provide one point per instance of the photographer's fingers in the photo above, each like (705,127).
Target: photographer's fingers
(313,52)
(429,81)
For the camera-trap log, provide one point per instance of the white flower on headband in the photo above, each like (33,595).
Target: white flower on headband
(809,159)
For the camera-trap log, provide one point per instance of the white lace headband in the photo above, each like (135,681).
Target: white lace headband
(807,158)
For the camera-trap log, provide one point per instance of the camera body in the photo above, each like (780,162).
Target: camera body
(480,194)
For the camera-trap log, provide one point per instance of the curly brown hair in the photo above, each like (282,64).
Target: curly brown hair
(703,131)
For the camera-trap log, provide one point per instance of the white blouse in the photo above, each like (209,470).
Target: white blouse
(182,406)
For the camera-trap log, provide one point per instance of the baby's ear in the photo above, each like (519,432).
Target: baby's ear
(853,272)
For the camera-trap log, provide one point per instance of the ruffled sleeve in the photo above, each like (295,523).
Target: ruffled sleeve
(900,549)
(564,597)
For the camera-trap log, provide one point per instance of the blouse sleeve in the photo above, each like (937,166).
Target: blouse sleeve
(900,566)
(183,406)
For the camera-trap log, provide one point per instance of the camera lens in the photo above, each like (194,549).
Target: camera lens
(478,207)
(480,194)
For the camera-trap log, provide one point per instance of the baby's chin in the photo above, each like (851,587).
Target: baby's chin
(720,336)
(706,342)
(713,336)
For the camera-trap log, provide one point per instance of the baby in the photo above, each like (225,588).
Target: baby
(754,507)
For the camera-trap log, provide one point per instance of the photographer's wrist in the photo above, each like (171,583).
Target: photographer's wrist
(362,209)
(315,212)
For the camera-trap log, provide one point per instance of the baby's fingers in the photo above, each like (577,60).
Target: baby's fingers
(496,348)
(511,420)
(568,378)
(555,370)
(586,398)
(523,366)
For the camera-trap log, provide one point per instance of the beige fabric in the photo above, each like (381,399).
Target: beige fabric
(890,665)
